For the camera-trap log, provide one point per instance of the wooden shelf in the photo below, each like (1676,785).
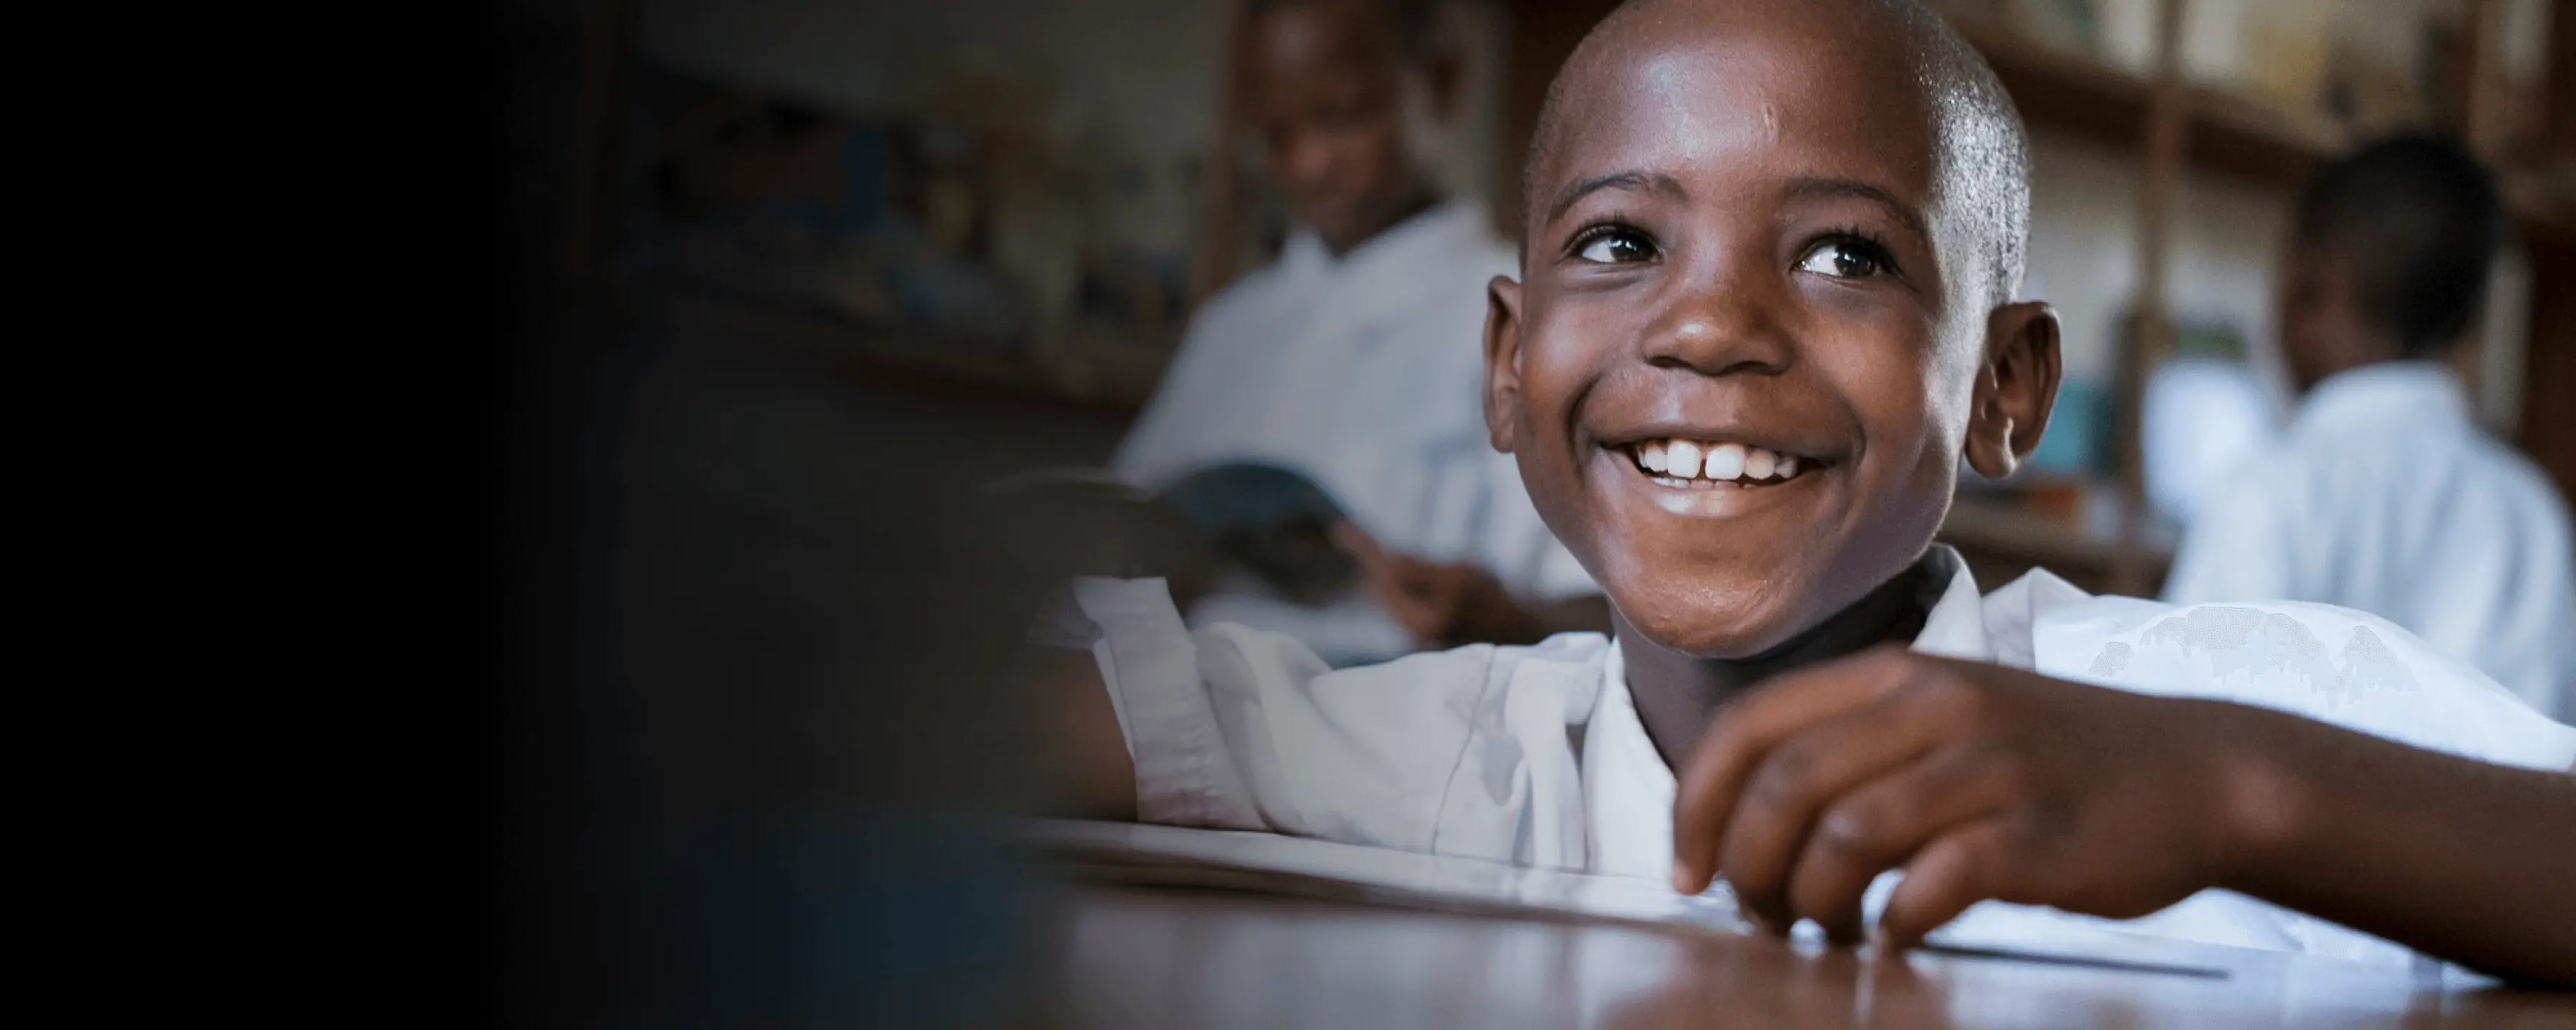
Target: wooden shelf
(2226,134)
(1996,526)
(2085,97)
(2002,540)
(1108,373)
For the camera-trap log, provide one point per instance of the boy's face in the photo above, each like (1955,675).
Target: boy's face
(2321,332)
(1322,84)
(1735,242)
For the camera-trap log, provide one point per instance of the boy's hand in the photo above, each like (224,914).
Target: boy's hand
(1439,604)
(1980,781)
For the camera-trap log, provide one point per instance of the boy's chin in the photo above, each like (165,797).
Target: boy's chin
(1702,627)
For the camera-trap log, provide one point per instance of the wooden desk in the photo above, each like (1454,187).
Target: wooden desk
(1305,950)
(1164,957)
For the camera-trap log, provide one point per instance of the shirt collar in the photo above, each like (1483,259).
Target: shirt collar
(1954,624)
(2394,392)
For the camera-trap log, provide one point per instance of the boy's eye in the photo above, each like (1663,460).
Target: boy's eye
(1615,247)
(1847,259)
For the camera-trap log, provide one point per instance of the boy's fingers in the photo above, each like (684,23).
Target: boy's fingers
(1882,824)
(1423,617)
(1392,579)
(1353,539)
(1793,786)
(1415,592)
(1709,786)
(1392,572)
(1958,870)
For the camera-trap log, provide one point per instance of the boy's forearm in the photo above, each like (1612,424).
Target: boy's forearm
(2460,859)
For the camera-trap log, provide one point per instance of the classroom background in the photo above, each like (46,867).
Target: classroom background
(814,271)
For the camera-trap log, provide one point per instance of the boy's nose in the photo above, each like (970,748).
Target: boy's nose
(1724,330)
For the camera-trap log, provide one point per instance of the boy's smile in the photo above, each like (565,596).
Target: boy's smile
(1749,341)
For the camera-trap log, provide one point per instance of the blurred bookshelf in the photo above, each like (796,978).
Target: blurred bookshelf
(2090,98)
(2224,133)
(1107,370)
(2002,536)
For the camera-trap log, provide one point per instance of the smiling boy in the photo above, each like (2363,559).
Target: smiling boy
(1765,310)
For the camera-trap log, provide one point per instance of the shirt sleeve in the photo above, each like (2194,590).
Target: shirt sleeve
(1234,728)
(2334,665)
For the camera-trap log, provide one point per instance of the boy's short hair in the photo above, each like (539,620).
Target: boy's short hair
(1984,151)
(2418,218)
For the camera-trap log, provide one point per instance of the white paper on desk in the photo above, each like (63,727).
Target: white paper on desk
(1444,883)
(1438,882)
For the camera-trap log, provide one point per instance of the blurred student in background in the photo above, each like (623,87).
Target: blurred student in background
(2384,495)
(1344,380)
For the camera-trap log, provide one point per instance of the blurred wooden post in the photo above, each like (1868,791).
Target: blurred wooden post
(2485,127)
(596,139)
(1212,266)
(2484,121)
(2151,329)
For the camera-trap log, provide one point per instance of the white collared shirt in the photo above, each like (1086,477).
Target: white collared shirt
(1365,373)
(1535,755)
(2385,496)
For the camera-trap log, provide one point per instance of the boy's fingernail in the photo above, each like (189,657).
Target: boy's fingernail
(1682,879)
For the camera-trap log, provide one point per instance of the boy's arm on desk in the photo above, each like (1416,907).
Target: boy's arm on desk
(1987,782)
(2453,857)
(1090,763)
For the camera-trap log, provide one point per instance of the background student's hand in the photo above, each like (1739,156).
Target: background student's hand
(1440,604)
(1982,782)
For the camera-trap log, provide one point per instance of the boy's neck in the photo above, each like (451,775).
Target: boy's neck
(1678,694)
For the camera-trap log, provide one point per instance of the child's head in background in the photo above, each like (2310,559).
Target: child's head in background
(1340,92)
(1776,242)
(2388,256)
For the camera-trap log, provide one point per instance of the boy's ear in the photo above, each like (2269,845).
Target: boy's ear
(1502,361)
(2016,388)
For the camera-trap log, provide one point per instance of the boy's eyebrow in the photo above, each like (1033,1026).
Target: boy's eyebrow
(1643,182)
(1832,187)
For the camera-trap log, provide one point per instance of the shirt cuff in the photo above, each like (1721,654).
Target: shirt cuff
(1185,774)
(1062,624)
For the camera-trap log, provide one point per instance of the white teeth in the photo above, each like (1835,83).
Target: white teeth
(1726,461)
(1721,462)
(1758,463)
(1681,459)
